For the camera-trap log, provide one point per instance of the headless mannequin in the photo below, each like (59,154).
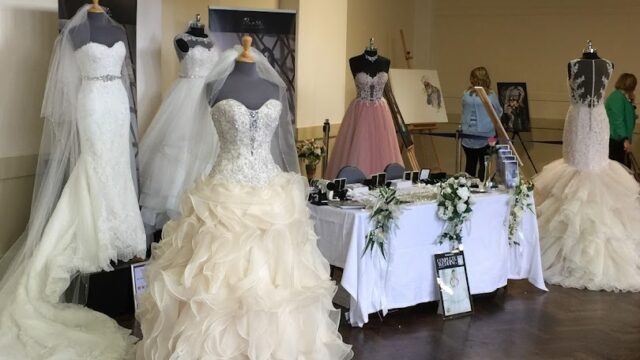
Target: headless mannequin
(197,37)
(101,32)
(360,63)
(244,85)
(589,53)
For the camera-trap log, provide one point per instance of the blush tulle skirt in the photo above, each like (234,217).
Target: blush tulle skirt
(367,139)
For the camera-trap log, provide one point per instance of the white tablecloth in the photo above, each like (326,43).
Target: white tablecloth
(409,277)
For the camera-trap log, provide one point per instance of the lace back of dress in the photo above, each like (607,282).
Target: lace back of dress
(588,81)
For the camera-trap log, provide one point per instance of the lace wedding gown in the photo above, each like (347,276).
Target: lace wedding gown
(95,221)
(181,144)
(239,275)
(587,205)
(367,137)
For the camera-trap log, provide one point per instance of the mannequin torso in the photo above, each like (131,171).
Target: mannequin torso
(193,37)
(101,32)
(362,63)
(245,86)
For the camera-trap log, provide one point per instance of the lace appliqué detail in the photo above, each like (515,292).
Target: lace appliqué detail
(588,81)
(245,141)
(197,63)
(371,88)
(103,78)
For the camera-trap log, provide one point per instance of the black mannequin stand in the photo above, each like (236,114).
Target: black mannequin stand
(524,146)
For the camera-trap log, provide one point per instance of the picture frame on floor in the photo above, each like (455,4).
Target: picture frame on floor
(138,281)
(453,283)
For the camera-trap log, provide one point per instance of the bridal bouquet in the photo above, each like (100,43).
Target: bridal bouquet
(311,150)
(384,210)
(454,207)
(519,201)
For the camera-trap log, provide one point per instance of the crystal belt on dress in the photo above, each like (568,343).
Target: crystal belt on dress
(103,78)
(190,76)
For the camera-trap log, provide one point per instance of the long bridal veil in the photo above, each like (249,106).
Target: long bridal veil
(26,328)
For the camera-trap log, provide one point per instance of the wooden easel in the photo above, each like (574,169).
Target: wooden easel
(428,127)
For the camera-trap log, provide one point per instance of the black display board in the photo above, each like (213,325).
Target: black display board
(452,280)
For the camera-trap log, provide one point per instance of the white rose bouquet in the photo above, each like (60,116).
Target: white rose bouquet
(520,200)
(454,207)
(384,210)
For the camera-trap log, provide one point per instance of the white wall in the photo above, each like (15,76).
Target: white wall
(26,39)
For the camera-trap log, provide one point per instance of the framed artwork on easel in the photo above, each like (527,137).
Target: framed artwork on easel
(515,105)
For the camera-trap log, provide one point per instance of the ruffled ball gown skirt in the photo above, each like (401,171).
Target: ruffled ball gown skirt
(367,139)
(240,277)
(588,211)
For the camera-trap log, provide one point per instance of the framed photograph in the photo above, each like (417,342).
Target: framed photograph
(138,281)
(424,174)
(407,175)
(419,95)
(515,106)
(451,277)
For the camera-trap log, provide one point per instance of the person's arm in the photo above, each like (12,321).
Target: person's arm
(629,120)
(615,111)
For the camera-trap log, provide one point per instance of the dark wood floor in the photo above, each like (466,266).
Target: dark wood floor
(520,322)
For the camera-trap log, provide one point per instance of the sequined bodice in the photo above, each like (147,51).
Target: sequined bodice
(197,62)
(101,62)
(245,141)
(588,81)
(370,88)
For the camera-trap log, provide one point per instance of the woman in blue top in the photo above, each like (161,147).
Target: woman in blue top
(476,121)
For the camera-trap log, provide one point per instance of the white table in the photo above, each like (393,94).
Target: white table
(407,276)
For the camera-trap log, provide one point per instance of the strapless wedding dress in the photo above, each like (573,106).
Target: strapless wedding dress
(96,221)
(239,275)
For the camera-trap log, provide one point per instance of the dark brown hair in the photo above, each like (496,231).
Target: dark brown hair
(627,82)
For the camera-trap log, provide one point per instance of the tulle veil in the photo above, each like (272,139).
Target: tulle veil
(178,148)
(283,147)
(59,150)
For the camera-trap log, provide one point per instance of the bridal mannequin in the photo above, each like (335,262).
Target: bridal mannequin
(102,31)
(369,62)
(589,53)
(245,76)
(198,37)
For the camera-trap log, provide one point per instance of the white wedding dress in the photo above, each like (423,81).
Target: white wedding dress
(239,275)
(180,145)
(587,205)
(95,221)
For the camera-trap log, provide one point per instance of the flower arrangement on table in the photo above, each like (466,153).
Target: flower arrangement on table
(311,151)
(519,200)
(454,207)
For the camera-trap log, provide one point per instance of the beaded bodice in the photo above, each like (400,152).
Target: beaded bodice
(245,141)
(101,62)
(199,60)
(370,88)
(588,80)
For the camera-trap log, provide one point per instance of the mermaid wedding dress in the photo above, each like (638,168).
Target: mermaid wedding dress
(181,144)
(239,275)
(587,205)
(96,220)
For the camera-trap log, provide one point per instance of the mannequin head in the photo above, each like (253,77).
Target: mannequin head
(627,83)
